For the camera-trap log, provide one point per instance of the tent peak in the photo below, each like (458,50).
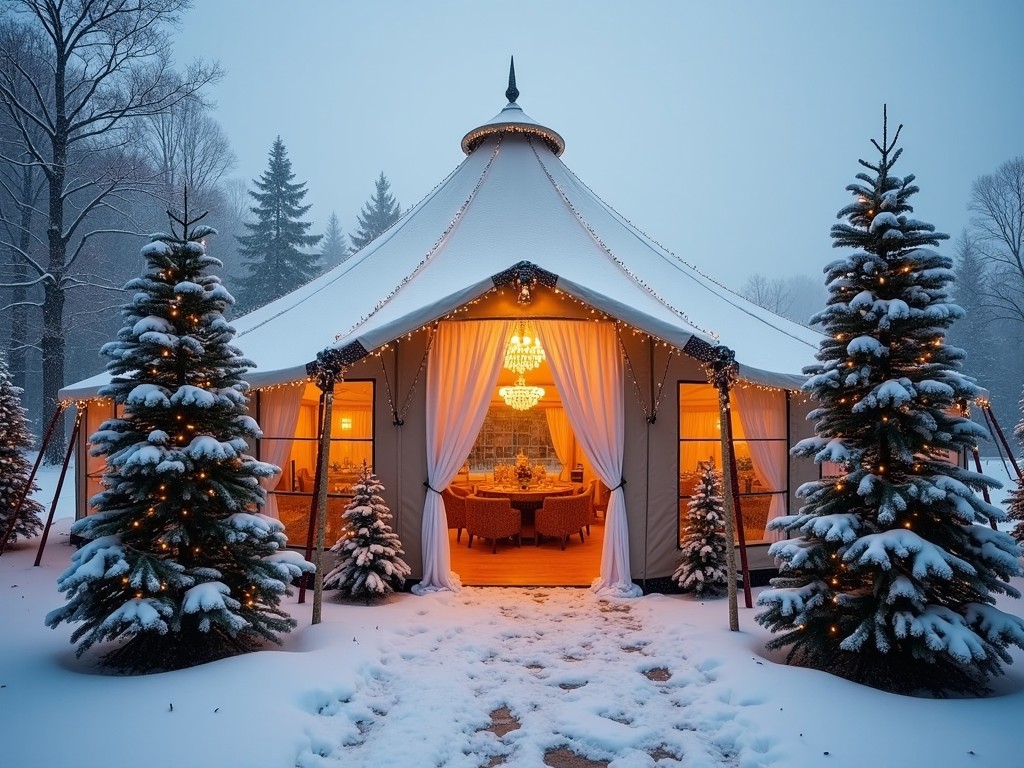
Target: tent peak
(512,93)
(512,119)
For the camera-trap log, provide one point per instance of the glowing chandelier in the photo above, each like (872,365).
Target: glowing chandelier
(523,352)
(521,397)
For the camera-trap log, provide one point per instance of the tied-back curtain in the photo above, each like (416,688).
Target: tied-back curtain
(763,416)
(561,439)
(587,369)
(462,372)
(279,415)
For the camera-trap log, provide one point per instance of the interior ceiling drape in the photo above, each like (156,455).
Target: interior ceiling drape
(587,369)
(462,372)
(279,415)
(561,439)
(763,415)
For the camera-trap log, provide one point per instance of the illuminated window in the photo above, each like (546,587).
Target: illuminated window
(762,458)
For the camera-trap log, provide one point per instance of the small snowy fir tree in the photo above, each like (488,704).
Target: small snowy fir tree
(178,564)
(891,577)
(370,566)
(15,439)
(378,214)
(703,570)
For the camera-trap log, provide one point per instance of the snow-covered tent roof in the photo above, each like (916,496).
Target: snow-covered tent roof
(512,200)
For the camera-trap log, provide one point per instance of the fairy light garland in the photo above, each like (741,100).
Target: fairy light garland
(433,249)
(597,239)
(349,260)
(670,253)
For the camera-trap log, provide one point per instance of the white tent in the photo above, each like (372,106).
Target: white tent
(511,210)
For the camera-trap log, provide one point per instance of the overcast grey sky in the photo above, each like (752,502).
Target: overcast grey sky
(727,131)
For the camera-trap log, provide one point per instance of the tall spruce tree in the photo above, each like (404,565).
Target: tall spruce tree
(379,213)
(371,566)
(703,570)
(178,565)
(15,439)
(333,249)
(892,577)
(274,263)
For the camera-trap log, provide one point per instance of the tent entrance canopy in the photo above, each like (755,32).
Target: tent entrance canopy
(462,371)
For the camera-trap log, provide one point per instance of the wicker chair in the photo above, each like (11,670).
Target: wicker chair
(562,516)
(455,510)
(492,519)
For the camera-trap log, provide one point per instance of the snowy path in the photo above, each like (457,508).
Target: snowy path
(534,677)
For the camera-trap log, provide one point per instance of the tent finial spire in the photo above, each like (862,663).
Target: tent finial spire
(512,93)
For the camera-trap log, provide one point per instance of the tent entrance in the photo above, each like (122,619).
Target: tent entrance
(462,372)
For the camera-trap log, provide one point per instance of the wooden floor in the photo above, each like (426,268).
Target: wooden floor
(529,565)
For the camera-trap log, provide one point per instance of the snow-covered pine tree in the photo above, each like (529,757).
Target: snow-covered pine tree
(370,567)
(333,249)
(15,439)
(379,213)
(274,262)
(178,564)
(703,570)
(892,576)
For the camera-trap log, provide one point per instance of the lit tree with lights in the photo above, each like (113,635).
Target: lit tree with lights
(178,566)
(703,570)
(371,567)
(891,578)
(15,439)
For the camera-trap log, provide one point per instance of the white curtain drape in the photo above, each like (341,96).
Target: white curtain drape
(561,439)
(462,372)
(279,415)
(587,369)
(763,415)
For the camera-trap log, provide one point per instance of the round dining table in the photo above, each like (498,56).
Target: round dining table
(527,500)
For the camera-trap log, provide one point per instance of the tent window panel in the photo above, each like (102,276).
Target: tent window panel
(760,462)
(97,412)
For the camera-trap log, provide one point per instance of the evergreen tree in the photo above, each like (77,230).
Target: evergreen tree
(379,213)
(703,570)
(370,566)
(178,563)
(892,578)
(334,250)
(15,439)
(273,261)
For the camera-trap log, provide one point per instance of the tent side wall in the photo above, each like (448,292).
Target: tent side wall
(400,452)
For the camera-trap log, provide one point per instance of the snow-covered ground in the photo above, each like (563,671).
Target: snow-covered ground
(480,678)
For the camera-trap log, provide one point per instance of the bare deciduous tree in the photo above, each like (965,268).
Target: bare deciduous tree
(770,293)
(109,64)
(997,228)
(190,150)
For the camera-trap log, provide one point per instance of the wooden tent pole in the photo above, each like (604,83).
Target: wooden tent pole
(32,475)
(734,490)
(987,410)
(721,369)
(60,485)
(321,505)
(311,527)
